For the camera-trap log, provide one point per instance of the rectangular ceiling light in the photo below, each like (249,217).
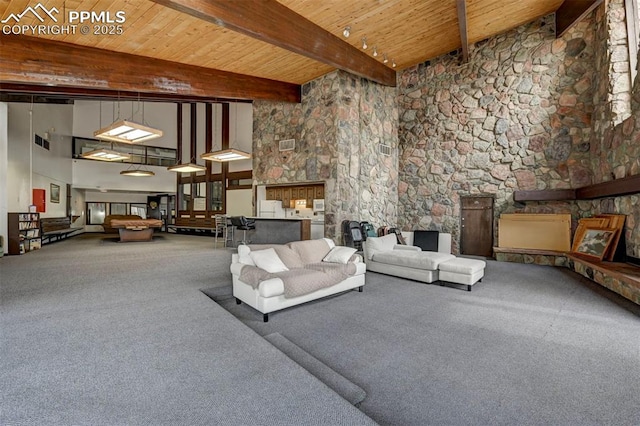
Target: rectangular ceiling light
(127,132)
(105,155)
(186,168)
(226,155)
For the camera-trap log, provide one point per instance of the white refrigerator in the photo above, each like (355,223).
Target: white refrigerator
(270,208)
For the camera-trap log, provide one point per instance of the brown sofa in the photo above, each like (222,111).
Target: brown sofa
(108,229)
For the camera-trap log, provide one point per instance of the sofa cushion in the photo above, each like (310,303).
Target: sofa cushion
(380,244)
(339,254)
(268,260)
(289,257)
(310,251)
(427,260)
(461,265)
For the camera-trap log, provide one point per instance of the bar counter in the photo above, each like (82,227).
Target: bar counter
(273,230)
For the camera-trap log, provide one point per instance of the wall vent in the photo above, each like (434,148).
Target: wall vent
(40,141)
(384,149)
(287,144)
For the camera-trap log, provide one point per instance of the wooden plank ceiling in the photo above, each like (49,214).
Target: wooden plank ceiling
(406,32)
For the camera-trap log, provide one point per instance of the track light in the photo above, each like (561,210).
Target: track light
(393,63)
(364,43)
(386,59)
(347,32)
(375,51)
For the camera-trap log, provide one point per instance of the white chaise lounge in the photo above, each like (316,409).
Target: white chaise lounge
(384,255)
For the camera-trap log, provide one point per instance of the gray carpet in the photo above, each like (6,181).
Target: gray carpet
(95,332)
(342,386)
(530,345)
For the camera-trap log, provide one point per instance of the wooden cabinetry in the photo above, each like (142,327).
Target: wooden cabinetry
(23,232)
(271,194)
(310,195)
(287,194)
(286,197)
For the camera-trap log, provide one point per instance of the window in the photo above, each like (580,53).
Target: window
(140,154)
(139,209)
(96,213)
(118,208)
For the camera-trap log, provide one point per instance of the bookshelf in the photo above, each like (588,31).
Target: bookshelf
(24,233)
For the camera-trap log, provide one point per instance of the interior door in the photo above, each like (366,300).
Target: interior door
(476,237)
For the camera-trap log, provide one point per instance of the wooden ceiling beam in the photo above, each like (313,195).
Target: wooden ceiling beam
(462,25)
(34,61)
(571,12)
(274,23)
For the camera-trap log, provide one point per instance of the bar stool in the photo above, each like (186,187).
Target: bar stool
(221,228)
(243,224)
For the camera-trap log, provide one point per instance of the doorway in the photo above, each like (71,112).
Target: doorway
(476,236)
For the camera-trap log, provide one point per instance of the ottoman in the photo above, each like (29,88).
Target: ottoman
(462,271)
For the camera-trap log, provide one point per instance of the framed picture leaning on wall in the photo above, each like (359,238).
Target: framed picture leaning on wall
(594,242)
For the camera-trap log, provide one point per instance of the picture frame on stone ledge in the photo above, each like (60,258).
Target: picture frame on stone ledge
(595,242)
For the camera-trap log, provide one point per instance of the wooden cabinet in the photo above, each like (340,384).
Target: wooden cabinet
(287,194)
(286,197)
(271,194)
(310,195)
(277,194)
(23,232)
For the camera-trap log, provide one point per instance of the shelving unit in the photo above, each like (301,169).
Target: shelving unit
(24,233)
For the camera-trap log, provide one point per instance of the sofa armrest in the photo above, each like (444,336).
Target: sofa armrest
(408,248)
(236,268)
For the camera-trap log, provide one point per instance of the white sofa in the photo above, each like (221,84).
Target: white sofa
(384,255)
(269,295)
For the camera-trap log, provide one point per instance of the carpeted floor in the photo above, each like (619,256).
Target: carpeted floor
(95,332)
(529,345)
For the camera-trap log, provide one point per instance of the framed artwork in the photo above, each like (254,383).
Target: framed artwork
(55,193)
(583,224)
(594,242)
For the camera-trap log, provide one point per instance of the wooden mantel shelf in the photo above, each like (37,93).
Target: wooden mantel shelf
(614,188)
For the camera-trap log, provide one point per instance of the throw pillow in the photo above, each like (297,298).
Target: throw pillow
(268,260)
(339,254)
(244,255)
(377,244)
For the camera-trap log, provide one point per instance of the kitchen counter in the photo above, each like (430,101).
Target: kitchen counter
(274,230)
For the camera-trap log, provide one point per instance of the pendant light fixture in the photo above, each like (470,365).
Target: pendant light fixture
(191,166)
(128,131)
(104,154)
(229,154)
(138,170)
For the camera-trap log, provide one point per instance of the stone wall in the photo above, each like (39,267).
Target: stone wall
(338,128)
(517,116)
(612,94)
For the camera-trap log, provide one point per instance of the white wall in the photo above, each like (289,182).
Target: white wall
(242,138)
(4,160)
(90,174)
(160,115)
(31,166)
(240,202)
